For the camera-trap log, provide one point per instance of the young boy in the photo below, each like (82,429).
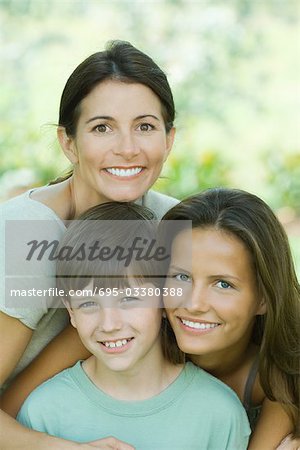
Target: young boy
(127,388)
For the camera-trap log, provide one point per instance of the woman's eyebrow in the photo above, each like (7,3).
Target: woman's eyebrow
(99,117)
(143,116)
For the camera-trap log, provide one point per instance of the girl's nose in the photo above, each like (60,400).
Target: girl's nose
(199,301)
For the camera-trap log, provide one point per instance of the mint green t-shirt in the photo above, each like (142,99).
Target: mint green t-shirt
(195,412)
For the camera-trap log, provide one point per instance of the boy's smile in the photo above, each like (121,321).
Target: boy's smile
(123,333)
(116,346)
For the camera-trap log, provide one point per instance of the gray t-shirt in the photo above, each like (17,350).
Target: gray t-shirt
(46,322)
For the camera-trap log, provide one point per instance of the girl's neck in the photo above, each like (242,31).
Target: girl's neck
(225,363)
(233,368)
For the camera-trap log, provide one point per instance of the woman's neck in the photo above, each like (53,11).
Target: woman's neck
(56,197)
(66,198)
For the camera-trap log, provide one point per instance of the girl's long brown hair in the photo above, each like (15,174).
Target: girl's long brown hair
(277,333)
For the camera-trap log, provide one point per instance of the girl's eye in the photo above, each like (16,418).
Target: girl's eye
(223,284)
(146,127)
(101,128)
(182,277)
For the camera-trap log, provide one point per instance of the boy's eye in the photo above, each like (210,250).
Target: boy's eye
(88,305)
(129,300)
(182,277)
(146,127)
(223,284)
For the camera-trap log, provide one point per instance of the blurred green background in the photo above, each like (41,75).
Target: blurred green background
(233,66)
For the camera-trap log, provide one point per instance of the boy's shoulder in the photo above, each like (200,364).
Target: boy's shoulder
(56,391)
(212,390)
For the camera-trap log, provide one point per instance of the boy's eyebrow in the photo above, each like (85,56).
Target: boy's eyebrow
(143,116)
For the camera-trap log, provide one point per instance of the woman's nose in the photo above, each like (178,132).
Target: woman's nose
(127,146)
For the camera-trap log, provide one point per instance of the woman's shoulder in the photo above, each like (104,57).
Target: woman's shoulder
(158,202)
(24,207)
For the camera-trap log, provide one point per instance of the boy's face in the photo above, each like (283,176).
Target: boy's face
(122,330)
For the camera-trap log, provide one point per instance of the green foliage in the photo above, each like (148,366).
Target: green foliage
(186,174)
(283,177)
(233,66)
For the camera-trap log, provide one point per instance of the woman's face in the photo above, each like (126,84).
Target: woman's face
(215,315)
(120,144)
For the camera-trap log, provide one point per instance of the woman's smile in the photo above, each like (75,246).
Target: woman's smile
(121,142)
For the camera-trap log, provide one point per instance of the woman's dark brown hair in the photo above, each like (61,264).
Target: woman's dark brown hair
(119,61)
(251,220)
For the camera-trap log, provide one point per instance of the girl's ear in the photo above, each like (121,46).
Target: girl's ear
(262,308)
(70,311)
(67,144)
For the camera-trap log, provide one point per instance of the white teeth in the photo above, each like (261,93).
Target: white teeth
(119,343)
(124,172)
(199,325)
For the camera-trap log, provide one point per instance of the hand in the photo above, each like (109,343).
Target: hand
(289,443)
(109,443)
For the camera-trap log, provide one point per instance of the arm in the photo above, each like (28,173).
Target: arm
(273,425)
(289,443)
(14,436)
(14,339)
(62,352)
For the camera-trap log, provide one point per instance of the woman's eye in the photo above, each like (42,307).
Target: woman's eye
(223,284)
(101,128)
(146,127)
(182,277)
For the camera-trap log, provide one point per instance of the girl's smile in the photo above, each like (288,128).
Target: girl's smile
(217,310)
(197,326)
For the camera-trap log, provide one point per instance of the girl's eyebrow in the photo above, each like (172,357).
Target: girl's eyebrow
(179,269)
(226,276)
(143,116)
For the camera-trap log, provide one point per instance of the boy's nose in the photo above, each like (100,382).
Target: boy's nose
(110,319)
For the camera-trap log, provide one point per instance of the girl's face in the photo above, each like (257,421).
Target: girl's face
(215,315)
(122,330)
(120,144)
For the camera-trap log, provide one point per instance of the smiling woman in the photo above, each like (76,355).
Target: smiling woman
(120,144)
(116,128)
